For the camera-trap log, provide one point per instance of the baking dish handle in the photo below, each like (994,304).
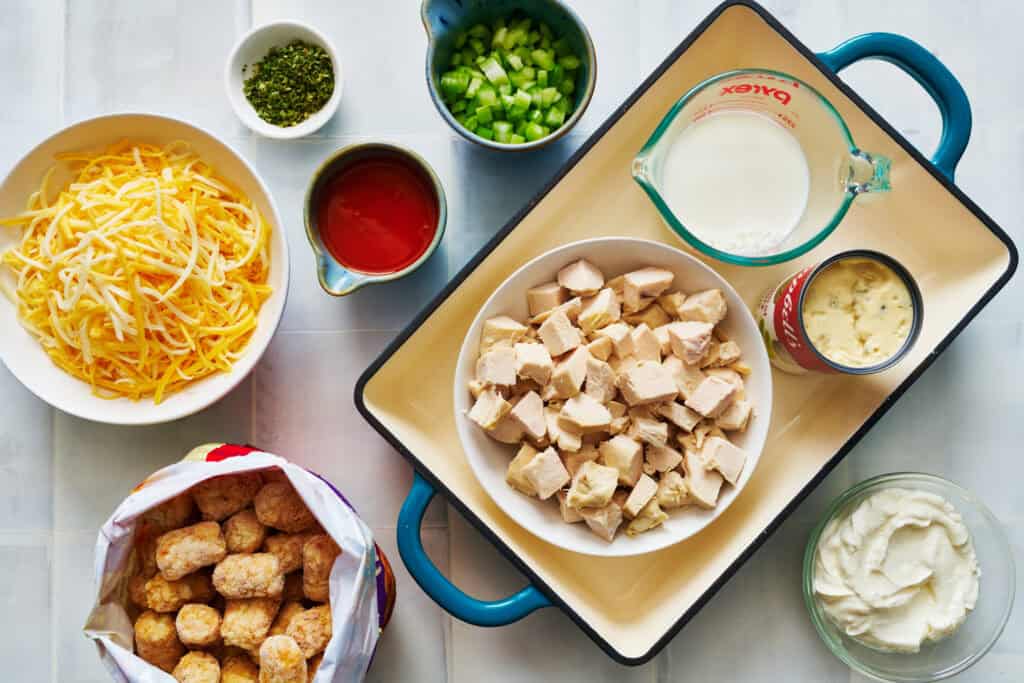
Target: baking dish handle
(438,587)
(926,69)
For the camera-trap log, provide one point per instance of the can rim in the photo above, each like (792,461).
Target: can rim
(916,300)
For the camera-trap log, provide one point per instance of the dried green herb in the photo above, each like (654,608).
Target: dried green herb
(290,84)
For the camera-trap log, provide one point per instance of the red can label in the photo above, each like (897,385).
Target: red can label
(779,319)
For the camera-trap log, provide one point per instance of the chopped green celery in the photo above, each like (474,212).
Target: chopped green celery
(518,78)
(459,106)
(471,122)
(533,37)
(535,116)
(483,114)
(545,43)
(545,30)
(507,101)
(479,31)
(524,54)
(554,118)
(561,47)
(460,40)
(515,114)
(495,74)
(547,97)
(485,133)
(516,36)
(524,24)
(566,87)
(474,87)
(477,45)
(543,59)
(498,23)
(475,59)
(534,131)
(516,139)
(514,61)
(522,100)
(535,91)
(487,96)
(502,131)
(505,89)
(456,59)
(563,104)
(499,36)
(454,83)
(569,62)
(542,78)
(556,75)
(461,118)
(521,127)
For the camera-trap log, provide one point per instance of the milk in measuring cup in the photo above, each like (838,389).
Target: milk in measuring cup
(738,181)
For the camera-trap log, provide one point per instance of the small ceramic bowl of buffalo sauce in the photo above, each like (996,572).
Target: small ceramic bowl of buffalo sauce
(374,212)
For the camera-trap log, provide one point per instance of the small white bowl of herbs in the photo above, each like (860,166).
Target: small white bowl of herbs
(284,80)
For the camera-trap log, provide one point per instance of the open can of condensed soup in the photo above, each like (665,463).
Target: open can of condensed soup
(858,312)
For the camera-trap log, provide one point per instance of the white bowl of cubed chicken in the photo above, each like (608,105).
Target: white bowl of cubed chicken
(613,396)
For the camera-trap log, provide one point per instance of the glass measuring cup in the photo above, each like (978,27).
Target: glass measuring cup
(839,171)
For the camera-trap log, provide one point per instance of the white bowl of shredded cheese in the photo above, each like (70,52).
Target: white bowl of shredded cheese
(180,220)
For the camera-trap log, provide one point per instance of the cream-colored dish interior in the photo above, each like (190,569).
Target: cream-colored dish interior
(953,256)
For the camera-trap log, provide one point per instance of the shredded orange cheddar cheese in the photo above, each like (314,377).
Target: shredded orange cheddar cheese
(144,274)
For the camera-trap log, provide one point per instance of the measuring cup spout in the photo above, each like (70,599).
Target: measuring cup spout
(868,173)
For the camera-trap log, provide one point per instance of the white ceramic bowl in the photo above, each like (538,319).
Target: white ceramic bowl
(250,49)
(489,459)
(22,353)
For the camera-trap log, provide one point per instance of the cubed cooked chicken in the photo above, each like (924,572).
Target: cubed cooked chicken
(621,394)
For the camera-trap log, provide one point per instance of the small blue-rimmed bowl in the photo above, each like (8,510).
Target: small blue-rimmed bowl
(443,19)
(335,278)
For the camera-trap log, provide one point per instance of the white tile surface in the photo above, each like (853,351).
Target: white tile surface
(61,477)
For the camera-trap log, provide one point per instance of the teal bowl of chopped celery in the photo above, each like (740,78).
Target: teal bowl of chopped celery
(510,75)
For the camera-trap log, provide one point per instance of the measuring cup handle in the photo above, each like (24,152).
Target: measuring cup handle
(434,583)
(926,69)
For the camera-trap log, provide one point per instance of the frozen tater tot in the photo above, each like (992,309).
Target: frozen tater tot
(311,667)
(243,532)
(279,505)
(171,514)
(198,625)
(156,640)
(197,667)
(168,596)
(273,475)
(182,551)
(247,621)
(137,591)
(288,549)
(221,497)
(284,618)
(311,630)
(145,548)
(293,588)
(239,669)
(318,557)
(249,575)
(281,661)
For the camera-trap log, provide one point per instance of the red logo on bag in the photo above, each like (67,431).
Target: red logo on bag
(228,450)
(779,94)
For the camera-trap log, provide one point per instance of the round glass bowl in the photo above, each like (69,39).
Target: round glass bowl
(952,655)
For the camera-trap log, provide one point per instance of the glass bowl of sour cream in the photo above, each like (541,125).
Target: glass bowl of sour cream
(908,577)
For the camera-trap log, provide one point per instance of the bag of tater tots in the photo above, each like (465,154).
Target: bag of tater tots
(236,565)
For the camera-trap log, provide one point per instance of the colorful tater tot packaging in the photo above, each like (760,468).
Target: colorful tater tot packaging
(235,559)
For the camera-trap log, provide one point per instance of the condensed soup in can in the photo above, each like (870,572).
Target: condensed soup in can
(858,312)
